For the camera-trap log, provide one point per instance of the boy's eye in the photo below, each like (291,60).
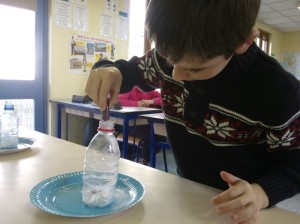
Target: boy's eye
(196,70)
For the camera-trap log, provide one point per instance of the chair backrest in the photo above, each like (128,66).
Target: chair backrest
(90,130)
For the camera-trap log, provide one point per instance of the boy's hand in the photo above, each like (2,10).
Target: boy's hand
(103,83)
(242,201)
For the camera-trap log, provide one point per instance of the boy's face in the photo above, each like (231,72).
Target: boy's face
(195,68)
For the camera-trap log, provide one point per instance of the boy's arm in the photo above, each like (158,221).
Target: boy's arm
(108,79)
(280,177)
(139,71)
(105,82)
(242,201)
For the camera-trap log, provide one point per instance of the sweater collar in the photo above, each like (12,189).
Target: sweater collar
(240,63)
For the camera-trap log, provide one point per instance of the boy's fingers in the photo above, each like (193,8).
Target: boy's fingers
(229,178)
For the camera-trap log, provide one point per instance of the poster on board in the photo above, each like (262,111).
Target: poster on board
(290,61)
(85,50)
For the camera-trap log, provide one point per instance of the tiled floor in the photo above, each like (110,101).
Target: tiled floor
(170,161)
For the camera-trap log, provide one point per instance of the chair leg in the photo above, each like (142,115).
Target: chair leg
(138,150)
(165,159)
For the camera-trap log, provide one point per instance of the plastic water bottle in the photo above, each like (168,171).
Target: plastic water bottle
(100,172)
(9,128)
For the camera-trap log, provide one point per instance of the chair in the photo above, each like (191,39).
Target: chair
(161,142)
(136,142)
(90,130)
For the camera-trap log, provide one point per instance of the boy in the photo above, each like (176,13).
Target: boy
(230,109)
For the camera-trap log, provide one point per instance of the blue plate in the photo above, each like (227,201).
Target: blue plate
(61,195)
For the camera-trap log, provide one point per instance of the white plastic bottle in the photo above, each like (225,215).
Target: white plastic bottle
(9,128)
(100,173)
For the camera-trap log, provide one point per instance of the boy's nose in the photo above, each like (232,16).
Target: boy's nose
(179,74)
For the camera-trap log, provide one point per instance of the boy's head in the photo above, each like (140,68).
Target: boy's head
(204,28)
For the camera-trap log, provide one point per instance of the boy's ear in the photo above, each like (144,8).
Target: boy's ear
(244,47)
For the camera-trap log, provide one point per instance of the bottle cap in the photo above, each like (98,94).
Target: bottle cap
(8,106)
(106,126)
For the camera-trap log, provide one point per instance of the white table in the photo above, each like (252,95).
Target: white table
(168,198)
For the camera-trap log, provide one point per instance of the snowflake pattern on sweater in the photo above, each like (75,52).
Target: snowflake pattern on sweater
(221,127)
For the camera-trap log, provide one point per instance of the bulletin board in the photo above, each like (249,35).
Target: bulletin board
(291,62)
(99,30)
(93,35)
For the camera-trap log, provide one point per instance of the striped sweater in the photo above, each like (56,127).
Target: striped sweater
(245,120)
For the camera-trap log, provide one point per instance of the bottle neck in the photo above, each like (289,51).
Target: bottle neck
(106,131)
(106,127)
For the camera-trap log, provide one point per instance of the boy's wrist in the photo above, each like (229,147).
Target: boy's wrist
(261,195)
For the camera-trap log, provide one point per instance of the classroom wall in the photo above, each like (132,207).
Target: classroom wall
(63,84)
(291,42)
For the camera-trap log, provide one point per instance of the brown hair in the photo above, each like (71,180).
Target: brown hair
(206,28)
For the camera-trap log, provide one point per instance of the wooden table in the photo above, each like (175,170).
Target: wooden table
(168,198)
(123,116)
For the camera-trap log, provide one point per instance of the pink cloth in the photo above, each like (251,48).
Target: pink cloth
(131,98)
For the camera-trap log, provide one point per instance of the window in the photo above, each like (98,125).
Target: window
(263,41)
(18,57)
(138,43)
(136,28)
(17,43)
